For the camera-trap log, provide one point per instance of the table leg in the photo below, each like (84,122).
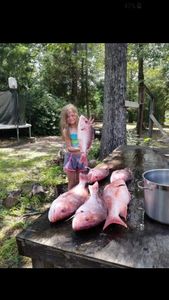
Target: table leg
(38,263)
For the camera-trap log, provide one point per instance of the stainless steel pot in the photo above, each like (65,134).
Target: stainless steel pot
(156,194)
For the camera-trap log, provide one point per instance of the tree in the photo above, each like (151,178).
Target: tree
(18,60)
(114,114)
(140,90)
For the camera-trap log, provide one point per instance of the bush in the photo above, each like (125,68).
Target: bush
(43,112)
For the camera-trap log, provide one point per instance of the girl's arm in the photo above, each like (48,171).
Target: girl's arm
(68,143)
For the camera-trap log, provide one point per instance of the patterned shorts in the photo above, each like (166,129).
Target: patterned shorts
(71,163)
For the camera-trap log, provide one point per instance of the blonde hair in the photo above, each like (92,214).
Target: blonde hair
(63,116)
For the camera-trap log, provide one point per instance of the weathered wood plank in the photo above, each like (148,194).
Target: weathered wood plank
(158,125)
(131,104)
(44,256)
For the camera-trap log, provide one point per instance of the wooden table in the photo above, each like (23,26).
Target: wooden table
(144,244)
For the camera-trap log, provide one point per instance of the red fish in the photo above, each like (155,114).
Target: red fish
(85,137)
(125,174)
(97,174)
(67,203)
(92,212)
(116,197)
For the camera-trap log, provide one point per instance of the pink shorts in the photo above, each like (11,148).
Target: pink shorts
(72,164)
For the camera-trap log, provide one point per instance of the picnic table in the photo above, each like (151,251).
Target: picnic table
(144,244)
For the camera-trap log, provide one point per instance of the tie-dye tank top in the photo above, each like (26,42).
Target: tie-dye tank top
(74,140)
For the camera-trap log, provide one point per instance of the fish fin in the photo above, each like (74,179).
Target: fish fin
(71,217)
(51,216)
(116,220)
(123,213)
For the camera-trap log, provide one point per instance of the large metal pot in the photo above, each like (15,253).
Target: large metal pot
(156,194)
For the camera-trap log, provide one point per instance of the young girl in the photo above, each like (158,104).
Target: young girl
(69,123)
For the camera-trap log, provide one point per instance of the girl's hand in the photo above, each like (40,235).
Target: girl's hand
(91,121)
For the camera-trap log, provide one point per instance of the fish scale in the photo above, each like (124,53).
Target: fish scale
(67,203)
(92,212)
(116,197)
(85,133)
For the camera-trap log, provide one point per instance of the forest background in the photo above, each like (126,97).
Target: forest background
(50,75)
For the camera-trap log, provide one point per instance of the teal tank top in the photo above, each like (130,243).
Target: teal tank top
(74,140)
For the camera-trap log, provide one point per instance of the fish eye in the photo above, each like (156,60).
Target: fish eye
(82,211)
(86,121)
(63,210)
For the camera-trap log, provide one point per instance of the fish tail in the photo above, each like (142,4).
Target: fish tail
(83,159)
(116,220)
(123,213)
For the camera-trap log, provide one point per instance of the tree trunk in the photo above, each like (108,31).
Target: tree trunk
(86,81)
(114,114)
(74,76)
(82,90)
(140,91)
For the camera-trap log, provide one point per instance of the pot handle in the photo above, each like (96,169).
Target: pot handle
(140,185)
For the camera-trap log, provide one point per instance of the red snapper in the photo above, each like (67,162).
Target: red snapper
(97,174)
(85,136)
(67,203)
(116,197)
(92,212)
(125,174)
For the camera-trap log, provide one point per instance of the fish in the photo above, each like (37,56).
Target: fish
(125,174)
(117,198)
(97,174)
(92,212)
(85,134)
(67,203)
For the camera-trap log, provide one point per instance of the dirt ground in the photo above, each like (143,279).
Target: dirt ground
(39,144)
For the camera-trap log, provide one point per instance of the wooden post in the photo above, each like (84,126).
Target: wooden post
(140,91)
(151,112)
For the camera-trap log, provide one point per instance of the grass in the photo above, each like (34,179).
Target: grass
(18,171)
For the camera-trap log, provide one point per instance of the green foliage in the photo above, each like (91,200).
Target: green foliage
(64,72)
(43,111)
(147,140)
(9,254)
(156,61)
(131,115)
(95,150)
(53,74)
(17,60)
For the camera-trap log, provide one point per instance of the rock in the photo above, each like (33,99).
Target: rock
(12,199)
(92,163)
(60,189)
(37,189)
(32,139)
